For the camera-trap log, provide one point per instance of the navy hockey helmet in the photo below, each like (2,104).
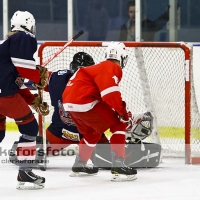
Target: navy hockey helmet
(81,59)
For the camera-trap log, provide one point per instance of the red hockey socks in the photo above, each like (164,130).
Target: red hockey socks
(117,143)
(85,150)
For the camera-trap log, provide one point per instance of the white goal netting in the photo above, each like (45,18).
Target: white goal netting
(157,77)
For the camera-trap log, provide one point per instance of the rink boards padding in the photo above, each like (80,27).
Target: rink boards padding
(145,155)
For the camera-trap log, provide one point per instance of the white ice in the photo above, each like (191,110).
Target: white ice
(171,180)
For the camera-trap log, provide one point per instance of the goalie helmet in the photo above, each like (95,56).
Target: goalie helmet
(23,21)
(117,51)
(142,126)
(81,59)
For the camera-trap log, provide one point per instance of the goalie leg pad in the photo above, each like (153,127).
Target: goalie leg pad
(145,155)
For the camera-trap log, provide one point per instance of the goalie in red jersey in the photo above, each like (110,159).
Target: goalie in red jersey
(93,99)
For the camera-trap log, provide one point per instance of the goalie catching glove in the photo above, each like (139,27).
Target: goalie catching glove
(139,126)
(43,78)
(40,107)
(142,126)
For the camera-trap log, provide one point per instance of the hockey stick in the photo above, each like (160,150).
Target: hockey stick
(62,48)
(43,167)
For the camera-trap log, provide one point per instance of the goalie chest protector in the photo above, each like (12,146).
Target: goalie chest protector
(145,155)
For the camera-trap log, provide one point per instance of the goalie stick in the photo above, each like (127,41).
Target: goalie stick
(40,93)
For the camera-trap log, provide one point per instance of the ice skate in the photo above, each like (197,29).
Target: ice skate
(81,168)
(29,177)
(120,171)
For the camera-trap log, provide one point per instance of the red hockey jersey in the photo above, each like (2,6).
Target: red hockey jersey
(92,84)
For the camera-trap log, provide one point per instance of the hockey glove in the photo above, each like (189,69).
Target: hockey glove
(129,119)
(126,117)
(43,77)
(40,107)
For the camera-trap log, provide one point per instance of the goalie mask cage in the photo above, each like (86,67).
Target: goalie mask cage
(158,77)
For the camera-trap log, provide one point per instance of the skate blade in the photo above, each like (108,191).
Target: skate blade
(80,174)
(34,186)
(123,178)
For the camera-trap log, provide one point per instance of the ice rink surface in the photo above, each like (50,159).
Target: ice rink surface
(171,180)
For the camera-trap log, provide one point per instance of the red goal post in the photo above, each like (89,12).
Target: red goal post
(158,77)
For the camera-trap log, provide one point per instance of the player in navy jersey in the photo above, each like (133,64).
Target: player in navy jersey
(62,131)
(17,63)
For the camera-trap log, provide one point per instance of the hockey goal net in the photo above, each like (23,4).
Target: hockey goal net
(158,77)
